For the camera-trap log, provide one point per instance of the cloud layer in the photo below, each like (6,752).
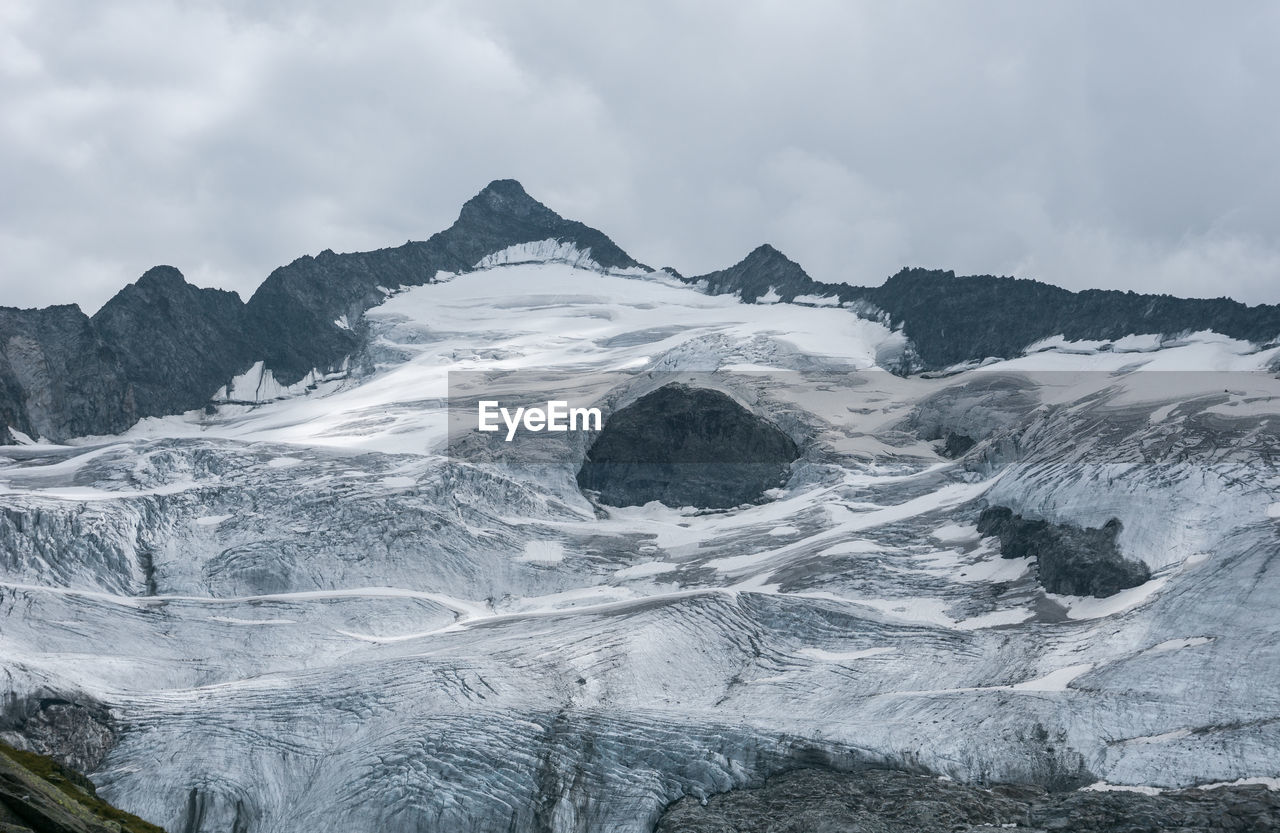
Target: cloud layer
(1125,146)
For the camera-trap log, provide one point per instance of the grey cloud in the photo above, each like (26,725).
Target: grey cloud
(1082,144)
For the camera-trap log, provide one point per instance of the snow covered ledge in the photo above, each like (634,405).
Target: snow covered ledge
(550,251)
(258,385)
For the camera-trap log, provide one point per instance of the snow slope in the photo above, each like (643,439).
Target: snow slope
(305,615)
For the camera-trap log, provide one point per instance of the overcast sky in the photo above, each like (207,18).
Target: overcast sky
(1123,145)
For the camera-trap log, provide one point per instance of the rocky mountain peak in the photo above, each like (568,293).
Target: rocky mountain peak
(766,256)
(162,278)
(503,197)
(503,215)
(175,341)
(765,269)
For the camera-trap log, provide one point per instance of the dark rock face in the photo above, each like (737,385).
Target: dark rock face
(504,215)
(954,319)
(76,733)
(957,445)
(1071,560)
(686,446)
(883,801)
(764,269)
(177,344)
(58,377)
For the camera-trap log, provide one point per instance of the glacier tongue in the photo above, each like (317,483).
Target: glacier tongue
(305,615)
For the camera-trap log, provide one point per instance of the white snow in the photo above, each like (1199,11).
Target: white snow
(235,621)
(1273,511)
(845,656)
(995,619)
(1143,343)
(1055,680)
(541,251)
(258,384)
(1088,607)
(1265,781)
(1103,786)
(955,533)
(817,300)
(542,552)
(1268,782)
(1179,644)
(644,570)
(211,520)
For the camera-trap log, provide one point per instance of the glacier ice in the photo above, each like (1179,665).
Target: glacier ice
(303,614)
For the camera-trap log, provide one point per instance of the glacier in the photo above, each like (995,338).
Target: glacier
(303,613)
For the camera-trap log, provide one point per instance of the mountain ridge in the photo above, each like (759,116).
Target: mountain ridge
(952,319)
(163,346)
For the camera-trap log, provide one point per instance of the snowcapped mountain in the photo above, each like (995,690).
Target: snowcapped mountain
(292,604)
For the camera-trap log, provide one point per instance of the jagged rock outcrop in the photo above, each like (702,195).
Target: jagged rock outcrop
(885,801)
(685,446)
(77,733)
(1071,560)
(176,343)
(39,795)
(503,215)
(763,271)
(58,377)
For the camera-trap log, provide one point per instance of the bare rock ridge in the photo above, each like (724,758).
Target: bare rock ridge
(162,346)
(686,446)
(951,319)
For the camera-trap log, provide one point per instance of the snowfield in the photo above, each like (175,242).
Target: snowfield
(305,615)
